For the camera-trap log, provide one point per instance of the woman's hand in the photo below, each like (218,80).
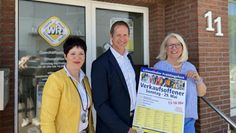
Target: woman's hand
(201,87)
(194,75)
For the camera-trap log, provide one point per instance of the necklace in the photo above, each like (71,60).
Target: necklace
(83,116)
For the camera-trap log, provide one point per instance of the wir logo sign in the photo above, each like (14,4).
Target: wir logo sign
(54,31)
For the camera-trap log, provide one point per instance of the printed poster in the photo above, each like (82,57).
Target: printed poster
(160,106)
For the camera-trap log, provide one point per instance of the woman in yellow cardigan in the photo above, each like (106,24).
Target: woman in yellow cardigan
(66,102)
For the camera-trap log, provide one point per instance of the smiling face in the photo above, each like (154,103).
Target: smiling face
(120,38)
(75,58)
(174,49)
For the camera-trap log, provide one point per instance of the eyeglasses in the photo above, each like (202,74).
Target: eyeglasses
(178,45)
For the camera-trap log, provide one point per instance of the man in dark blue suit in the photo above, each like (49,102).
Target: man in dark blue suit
(114,84)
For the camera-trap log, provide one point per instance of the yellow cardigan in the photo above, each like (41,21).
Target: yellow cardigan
(61,105)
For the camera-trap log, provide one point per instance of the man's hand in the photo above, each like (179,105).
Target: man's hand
(131,130)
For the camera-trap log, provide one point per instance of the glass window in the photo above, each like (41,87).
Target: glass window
(104,20)
(232,44)
(38,59)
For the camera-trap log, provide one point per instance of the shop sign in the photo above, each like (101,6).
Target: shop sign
(54,31)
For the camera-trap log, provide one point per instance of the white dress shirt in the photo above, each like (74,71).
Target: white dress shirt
(84,98)
(129,75)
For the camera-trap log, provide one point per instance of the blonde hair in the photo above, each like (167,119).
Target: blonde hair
(163,55)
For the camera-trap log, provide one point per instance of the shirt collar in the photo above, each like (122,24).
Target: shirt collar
(117,55)
(81,75)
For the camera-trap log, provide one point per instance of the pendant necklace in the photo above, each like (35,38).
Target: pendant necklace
(83,116)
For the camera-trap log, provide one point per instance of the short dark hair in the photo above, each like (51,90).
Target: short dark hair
(74,41)
(118,23)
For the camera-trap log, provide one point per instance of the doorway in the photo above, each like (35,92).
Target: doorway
(36,58)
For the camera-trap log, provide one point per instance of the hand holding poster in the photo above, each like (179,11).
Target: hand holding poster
(160,106)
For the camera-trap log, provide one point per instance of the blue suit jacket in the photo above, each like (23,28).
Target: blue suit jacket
(110,95)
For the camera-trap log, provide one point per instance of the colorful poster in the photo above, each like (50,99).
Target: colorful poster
(160,106)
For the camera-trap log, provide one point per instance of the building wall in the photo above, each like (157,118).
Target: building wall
(7,59)
(181,18)
(214,64)
(208,52)
(156,29)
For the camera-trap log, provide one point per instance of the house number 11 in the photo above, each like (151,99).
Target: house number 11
(208,15)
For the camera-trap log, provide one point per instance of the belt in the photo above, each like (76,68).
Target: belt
(131,114)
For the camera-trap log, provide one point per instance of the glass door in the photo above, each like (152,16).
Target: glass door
(136,17)
(232,55)
(37,57)
(104,20)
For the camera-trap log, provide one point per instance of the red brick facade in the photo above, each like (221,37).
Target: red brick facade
(7,59)
(214,64)
(186,17)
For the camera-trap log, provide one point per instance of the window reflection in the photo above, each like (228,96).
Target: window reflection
(104,20)
(232,42)
(38,59)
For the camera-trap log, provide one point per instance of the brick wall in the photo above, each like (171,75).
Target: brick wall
(208,52)
(181,18)
(145,3)
(156,29)
(214,64)
(7,57)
